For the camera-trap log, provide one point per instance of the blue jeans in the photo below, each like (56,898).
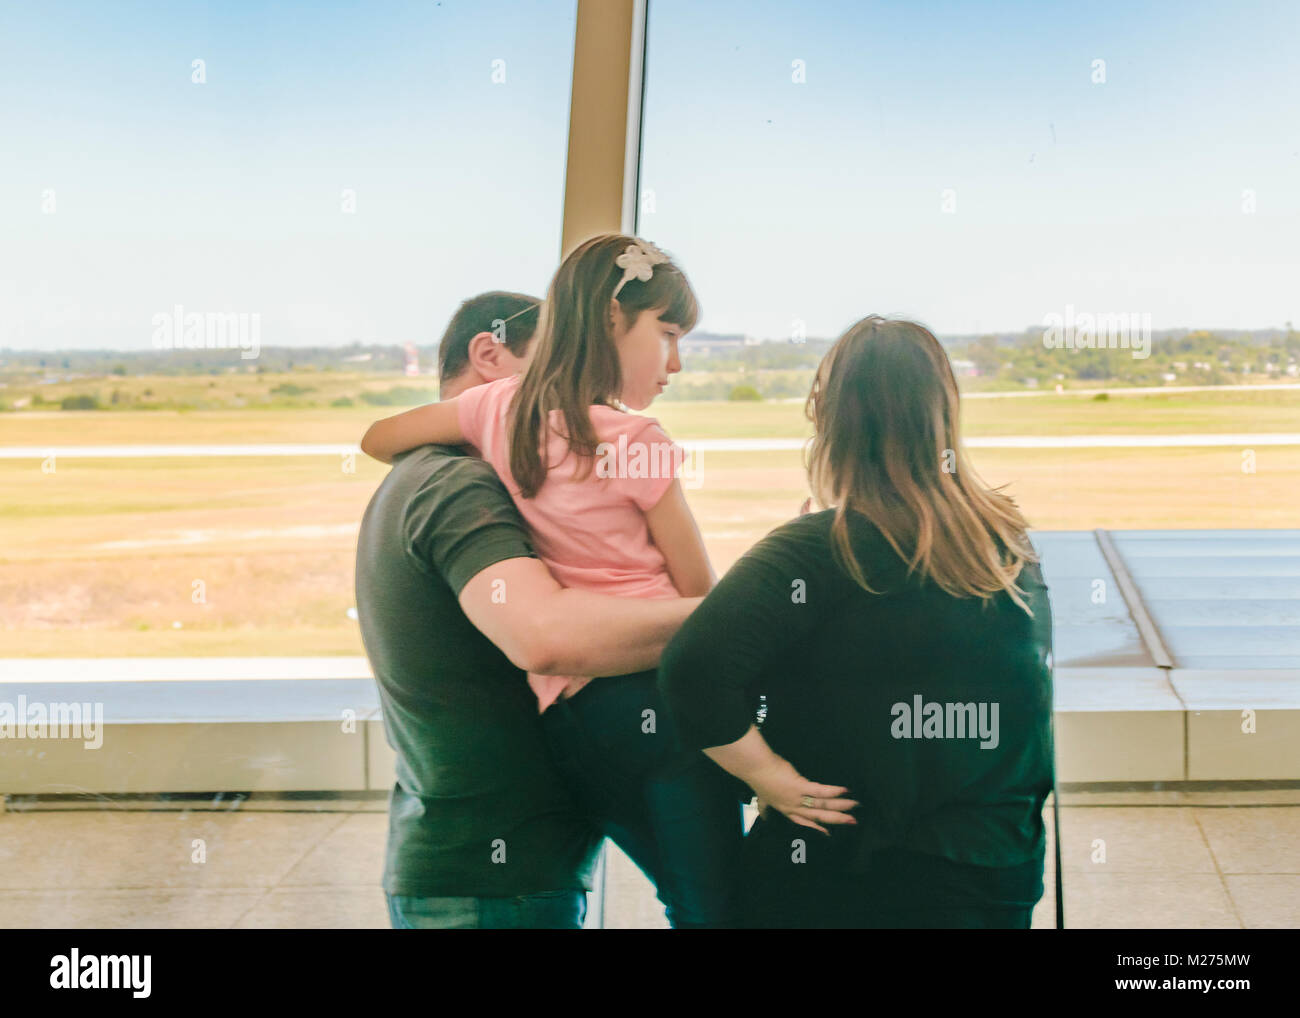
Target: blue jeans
(549,910)
(675,812)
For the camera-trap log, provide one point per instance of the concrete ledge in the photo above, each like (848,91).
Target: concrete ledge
(180,735)
(21,670)
(1119,746)
(381,761)
(230,700)
(190,756)
(1118,724)
(1241,724)
(276,734)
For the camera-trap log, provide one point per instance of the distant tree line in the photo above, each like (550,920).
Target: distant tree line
(769,370)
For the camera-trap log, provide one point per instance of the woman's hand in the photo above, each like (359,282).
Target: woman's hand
(779,786)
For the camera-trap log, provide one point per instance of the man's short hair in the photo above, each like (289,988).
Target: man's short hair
(512,316)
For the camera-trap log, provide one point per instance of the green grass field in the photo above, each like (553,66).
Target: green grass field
(251,556)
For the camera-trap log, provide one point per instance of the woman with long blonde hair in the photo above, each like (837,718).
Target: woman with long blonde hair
(900,640)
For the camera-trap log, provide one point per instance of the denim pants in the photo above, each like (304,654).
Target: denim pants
(549,910)
(675,812)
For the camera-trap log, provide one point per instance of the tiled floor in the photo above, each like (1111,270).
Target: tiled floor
(1131,859)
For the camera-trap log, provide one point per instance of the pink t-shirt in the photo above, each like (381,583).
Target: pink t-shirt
(591,531)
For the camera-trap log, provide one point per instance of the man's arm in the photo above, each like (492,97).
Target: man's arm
(553,630)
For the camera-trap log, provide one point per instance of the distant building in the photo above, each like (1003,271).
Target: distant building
(965,369)
(412,361)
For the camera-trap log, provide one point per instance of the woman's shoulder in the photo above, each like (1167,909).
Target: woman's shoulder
(817,528)
(805,525)
(810,541)
(809,537)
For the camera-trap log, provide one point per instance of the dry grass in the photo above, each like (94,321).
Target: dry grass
(100,558)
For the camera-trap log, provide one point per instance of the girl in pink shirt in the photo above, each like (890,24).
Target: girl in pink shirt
(597,486)
(590,530)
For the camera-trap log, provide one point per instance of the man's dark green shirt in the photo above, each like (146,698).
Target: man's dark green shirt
(478,809)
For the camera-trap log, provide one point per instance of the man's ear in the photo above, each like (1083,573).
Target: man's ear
(485,356)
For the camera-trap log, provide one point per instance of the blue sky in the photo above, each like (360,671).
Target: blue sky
(227,195)
(820,201)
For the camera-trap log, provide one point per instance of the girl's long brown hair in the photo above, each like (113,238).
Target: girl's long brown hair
(575,363)
(888,446)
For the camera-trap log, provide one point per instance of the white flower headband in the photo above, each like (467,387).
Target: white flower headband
(638,262)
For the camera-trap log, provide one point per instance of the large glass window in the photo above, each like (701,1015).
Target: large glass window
(989,170)
(289,180)
(1095,208)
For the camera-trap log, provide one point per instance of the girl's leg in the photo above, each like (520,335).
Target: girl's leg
(612,798)
(675,812)
(698,824)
